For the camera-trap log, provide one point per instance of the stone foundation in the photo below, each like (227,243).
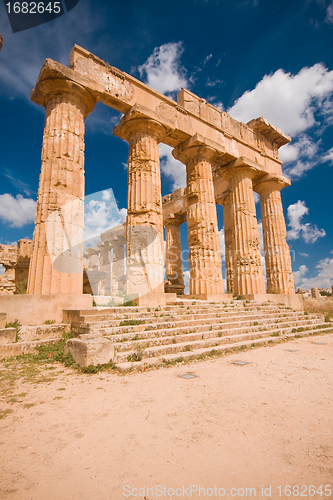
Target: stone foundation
(36,309)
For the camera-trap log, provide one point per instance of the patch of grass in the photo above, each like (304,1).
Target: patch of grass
(49,322)
(275,334)
(21,287)
(29,405)
(91,369)
(255,323)
(17,325)
(137,355)
(187,348)
(210,328)
(4,413)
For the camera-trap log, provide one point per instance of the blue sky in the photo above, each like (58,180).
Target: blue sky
(251,58)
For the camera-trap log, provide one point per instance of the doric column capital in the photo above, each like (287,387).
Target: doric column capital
(272,182)
(198,147)
(50,88)
(223,199)
(92,251)
(244,165)
(176,219)
(132,124)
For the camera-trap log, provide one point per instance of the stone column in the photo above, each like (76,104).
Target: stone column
(144,229)
(229,235)
(203,237)
(105,267)
(277,254)
(118,267)
(173,254)
(56,263)
(248,273)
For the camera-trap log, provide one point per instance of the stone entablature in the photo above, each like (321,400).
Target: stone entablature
(15,259)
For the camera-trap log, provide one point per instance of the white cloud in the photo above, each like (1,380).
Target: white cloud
(302,155)
(308,233)
(298,275)
(187,282)
(123,214)
(171,167)
(163,69)
(328,156)
(303,254)
(17,211)
(324,278)
(222,243)
(329,14)
(304,147)
(100,214)
(287,101)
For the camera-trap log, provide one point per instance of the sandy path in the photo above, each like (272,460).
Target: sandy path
(266,423)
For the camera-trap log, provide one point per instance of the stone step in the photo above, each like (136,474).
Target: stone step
(176,313)
(179,322)
(160,336)
(172,358)
(113,312)
(18,348)
(169,345)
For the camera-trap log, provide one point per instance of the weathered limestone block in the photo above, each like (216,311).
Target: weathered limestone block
(42,332)
(56,264)
(315,293)
(174,263)
(3,320)
(144,228)
(203,237)
(24,253)
(91,351)
(248,273)
(279,274)
(7,335)
(8,258)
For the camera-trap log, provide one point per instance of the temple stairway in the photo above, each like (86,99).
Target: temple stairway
(145,336)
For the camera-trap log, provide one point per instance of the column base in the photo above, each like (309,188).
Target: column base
(174,288)
(294,301)
(154,299)
(211,297)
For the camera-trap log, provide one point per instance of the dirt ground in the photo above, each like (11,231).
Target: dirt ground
(265,425)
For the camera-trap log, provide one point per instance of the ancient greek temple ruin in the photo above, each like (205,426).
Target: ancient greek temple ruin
(226,162)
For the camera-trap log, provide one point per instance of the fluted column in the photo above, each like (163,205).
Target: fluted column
(203,239)
(229,235)
(277,254)
(173,254)
(105,267)
(144,229)
(248,273)
(56,263)
(118,267)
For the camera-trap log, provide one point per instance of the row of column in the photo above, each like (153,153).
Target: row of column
(106,276)
(57,268)
(244,274)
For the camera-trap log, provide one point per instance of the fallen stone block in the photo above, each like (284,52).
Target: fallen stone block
(7,336)
(91,351)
